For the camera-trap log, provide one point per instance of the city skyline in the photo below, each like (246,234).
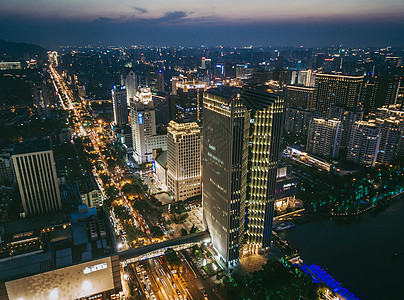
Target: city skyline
(366,23)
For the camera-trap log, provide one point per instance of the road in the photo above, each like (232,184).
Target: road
(80,113)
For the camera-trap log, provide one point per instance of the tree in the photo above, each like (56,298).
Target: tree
(193,229)
(156,231)
(184,232)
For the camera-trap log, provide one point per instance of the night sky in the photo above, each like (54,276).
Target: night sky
(355,23)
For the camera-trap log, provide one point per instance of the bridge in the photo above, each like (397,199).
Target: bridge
(157,249)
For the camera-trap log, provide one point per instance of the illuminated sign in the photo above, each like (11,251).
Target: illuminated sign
(95,268)
(140,117)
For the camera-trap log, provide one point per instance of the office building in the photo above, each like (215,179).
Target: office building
(297,120)
(143,122)
(364,143)
(241,140)
(35,170)
(348,117)
(189,100)
(120,105)
(184,160)
(383,92)
(130,81)
(299,96)
(324,138)
(340,89)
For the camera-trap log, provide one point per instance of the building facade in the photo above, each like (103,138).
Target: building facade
(324,137)
(35,170)
(348,117)
(241,140)
(184,160)
(299,96)
(143,122)
(341,89)
(364,143)
(120,105)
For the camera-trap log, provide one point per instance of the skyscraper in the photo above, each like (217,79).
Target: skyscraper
(143,122)
(340,89)
(189,100)
(383,92)
(35,171)
(364,143)
(348,117)
(241,140)
(324,137)
(120,105)
(184,160)
(299,96)
(226,126)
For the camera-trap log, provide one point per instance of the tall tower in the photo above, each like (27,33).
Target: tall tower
(143,122)
(120,105)
(35,171)
(266,112)
(241,140)
(184,160)
(226,126)
(340,89)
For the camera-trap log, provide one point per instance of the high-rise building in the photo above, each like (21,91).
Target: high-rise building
(120,105)
(35,170)
(297,120)
(241,140)
(303,78)
(184,160)
(364,143)
(143,122)
(383,92)
(299,96)
(339,89)
(189,100)
(348,117)
(324,137)
(391,131)
(130,81)
(53,57)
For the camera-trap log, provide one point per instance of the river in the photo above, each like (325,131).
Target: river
(357,251)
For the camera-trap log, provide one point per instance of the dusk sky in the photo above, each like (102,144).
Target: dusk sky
(210,22)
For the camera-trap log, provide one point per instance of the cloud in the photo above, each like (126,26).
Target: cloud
(172,16)
(140,9)
(102,20)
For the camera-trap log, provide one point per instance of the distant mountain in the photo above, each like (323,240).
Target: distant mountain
(21,50)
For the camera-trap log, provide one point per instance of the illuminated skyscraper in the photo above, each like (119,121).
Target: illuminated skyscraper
(184,160)
(120,106)
(35,171)
(339,89)
(143,123)
(241,140)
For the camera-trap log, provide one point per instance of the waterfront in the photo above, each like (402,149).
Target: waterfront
(357,251)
